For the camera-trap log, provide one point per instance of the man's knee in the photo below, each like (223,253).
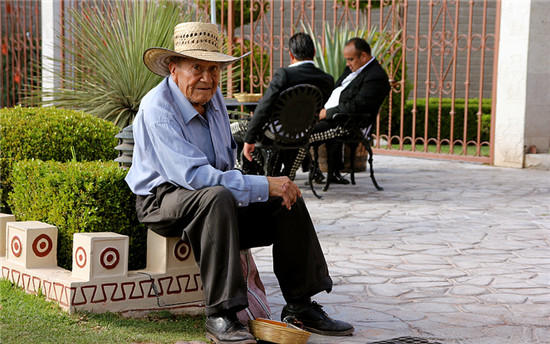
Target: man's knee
(218,197)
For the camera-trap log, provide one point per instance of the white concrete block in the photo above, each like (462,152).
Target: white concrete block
(100,255)
(4,219)
(32,244)
(168,254)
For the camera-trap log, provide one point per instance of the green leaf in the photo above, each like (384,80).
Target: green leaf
(104,73)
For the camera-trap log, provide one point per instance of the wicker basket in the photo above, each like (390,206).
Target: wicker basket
(277,332)
(247,97)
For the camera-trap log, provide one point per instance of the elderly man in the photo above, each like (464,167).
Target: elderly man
(362,89)
(183,176)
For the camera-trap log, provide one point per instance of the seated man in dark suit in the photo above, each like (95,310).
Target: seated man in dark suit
(301,71)
(361,89)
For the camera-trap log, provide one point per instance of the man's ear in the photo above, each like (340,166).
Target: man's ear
(172,68)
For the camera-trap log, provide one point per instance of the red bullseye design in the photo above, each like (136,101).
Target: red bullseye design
(42,245)
(109,258)
(182,251)
(80,257)
(16,246)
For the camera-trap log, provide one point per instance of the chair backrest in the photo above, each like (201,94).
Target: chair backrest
(294,114)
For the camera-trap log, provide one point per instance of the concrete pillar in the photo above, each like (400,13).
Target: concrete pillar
(166,254)
(522,106)
(537,114)
(31,244)
(50,12)
(100,255)
(4,219)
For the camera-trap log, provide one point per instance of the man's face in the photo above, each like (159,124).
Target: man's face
(355,59)
(196,79)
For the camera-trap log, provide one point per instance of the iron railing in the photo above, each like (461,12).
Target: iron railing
(444,66)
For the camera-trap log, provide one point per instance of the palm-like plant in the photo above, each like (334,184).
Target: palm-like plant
(332,60)
(107,77)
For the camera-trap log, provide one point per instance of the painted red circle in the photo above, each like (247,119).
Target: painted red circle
(42,245)
(16,246)
(182,251)
(80,257)
(109,258)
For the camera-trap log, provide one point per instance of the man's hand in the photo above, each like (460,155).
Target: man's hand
(322,114)
(285,188)
(247,150)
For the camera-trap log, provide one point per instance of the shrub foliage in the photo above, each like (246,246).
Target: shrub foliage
(78,197)
(50,133)
(104,46)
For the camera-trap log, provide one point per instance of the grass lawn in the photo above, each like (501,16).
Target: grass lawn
(26,318)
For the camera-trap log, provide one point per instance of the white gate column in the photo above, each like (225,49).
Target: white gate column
(50,12)
(523,82)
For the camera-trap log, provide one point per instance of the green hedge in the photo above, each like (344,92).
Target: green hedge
(433,115)
(49,133)
(78,197)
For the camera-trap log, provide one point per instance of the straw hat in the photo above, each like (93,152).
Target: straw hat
(195,40)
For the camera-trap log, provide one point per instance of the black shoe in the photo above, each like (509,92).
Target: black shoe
(227,330)
(318,176)
(338,179)
(316,320)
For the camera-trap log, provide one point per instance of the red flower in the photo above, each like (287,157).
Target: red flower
(17,78)
(4,49)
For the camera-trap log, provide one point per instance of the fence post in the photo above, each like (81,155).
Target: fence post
(50,43)
(521,101)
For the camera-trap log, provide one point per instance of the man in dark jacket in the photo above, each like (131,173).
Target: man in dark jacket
(361,89)
(300,71)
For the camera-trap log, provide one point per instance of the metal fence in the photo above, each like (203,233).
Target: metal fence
(20,47)
(443,72)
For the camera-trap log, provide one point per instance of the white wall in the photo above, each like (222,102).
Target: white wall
(522,106)
(537,114)
(50,43)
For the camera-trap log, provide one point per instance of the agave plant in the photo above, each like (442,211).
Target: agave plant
(105,75)
(332,60)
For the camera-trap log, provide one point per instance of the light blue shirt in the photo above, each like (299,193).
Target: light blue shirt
(173,143)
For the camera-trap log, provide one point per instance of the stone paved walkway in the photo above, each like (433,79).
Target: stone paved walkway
(450,252)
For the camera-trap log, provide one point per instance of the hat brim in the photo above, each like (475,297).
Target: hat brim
(157,59)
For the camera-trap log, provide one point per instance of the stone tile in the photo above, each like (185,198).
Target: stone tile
(542,335)
(503,298)
(386,289)
(468,290)
(468,242)
(367,280)
(477,280)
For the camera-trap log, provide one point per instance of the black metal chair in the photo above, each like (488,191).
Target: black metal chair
(290,126)
(358,128)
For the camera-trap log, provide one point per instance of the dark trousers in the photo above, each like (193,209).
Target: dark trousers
(217,230)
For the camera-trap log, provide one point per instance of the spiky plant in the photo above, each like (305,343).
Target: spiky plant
(104,74)
(332,60)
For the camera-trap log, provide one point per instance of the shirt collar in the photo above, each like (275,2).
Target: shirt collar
(184,105)
(363,66)
(296,64)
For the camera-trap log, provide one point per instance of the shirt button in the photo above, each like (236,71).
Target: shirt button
(240,204)
(259,198)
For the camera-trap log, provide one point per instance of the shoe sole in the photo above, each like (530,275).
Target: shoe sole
(330,333)
(212,338)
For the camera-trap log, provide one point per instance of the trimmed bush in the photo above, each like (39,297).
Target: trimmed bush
(433,114)
(49,133)
(78,197)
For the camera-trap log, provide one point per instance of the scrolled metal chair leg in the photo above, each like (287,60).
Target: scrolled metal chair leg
(378,187)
